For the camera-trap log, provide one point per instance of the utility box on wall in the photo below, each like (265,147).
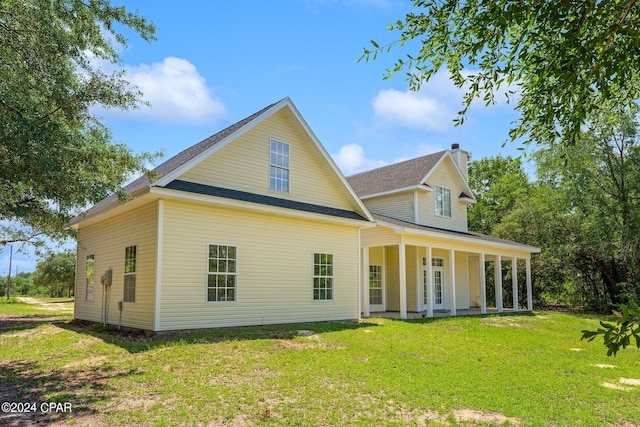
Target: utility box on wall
(106,278)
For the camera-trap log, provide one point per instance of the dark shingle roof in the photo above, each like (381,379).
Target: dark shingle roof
(175,162)
(393,177)
(260,199)
(468,234)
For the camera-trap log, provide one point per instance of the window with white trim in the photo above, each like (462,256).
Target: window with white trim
(222,273)
(322,276)
(279,166)
(443,202)
(375,284)
(130,269)
(88,295)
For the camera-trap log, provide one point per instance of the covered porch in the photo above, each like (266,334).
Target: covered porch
(410,271)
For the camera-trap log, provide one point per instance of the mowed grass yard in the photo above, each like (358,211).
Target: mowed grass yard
(527,370)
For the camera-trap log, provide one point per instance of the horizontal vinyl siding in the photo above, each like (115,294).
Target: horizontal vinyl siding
(375,256)
(274,268)
(411,278)
(399,206)
(443,176)
(462,280)
(243,165)
(378,236)
(392,278)
(474,280)
(107,242)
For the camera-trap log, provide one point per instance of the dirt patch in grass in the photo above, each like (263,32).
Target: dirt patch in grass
(603,366)
(507,322)
(304,343)
(492,418)
(615,386)
(629,381)
(25,382)
(22,322)
(53,306)
(89,362)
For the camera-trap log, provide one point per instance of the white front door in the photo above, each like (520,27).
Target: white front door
(437,268)
(376,290)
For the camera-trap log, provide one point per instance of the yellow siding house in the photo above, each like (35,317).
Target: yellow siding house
(256,225)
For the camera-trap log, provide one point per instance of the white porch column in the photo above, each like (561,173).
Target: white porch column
(498,279)
(514,282)
(529,287)
(419,287)
(365,281)
(483,286)
(429,284)
(403,279)
(452,274)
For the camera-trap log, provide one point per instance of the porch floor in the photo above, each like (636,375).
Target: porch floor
(474,311)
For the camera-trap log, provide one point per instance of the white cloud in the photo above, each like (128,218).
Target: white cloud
(350,159)
(419,151)
(177,92)
(174,88)
(433,107)
(412,110)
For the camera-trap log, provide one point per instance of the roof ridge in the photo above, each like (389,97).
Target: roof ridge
(399,163)
(401,175)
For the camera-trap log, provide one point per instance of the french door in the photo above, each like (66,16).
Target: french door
(437,275)
(376,290)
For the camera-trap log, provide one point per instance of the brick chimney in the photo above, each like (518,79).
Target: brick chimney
(461,158)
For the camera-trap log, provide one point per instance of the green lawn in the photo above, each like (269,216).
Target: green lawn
(528,370)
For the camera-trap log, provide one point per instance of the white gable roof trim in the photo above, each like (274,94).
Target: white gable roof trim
(459,174)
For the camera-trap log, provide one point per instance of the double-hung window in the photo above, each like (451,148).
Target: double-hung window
(222,275)
(88,296)
(130,268)
(279,166)
(443,202)
(322,276)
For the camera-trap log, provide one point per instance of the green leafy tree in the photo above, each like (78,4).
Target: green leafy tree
(599,182)
(498,183)
(625,331)
(56,272)
(540,219)
(55,155)
(24,286)
(566,59)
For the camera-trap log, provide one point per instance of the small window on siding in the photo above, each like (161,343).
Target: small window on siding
(279,166)
(443,202)
(130,269)
(322,276)
(90,274)
(222,273)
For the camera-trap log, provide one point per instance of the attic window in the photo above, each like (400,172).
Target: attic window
(279,166)
(443,202)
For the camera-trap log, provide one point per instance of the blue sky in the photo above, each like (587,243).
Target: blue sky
(216,62)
